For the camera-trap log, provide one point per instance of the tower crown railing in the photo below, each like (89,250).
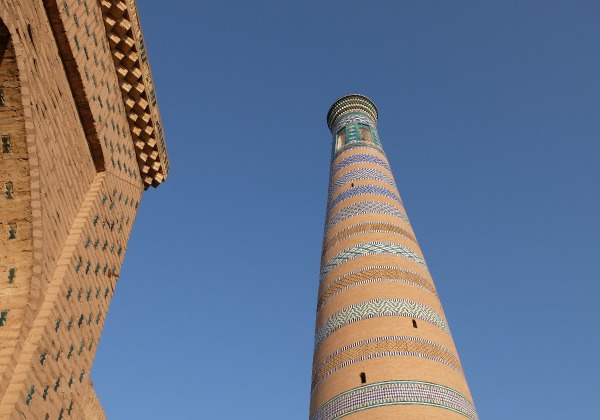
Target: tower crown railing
(352,120)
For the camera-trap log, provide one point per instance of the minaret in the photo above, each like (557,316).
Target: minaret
(383,348)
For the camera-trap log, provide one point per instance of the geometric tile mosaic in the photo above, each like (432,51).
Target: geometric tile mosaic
(395,393)
(373,274)
(363,190)
(361,174)
(364,207)
(359,158)
(353,118)
(367,227)
(383,347)
(356,145)
(376,308)
(371,248)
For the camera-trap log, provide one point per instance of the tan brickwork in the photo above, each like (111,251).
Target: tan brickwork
(73,169)
(383,347)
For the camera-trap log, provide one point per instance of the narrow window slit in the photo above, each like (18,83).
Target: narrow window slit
(363,378)
(9,190)
(5,143)
(414,322)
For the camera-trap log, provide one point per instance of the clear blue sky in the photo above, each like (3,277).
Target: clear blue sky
(490,117)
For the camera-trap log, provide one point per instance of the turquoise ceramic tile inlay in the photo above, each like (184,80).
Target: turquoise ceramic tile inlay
(3,315)
(353,117)
(376,308)
(395,393)
(352,133)
(371,248)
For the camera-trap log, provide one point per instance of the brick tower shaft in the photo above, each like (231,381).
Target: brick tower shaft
(383,347)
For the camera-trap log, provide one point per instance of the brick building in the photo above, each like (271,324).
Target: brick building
(383,349)
(81,141)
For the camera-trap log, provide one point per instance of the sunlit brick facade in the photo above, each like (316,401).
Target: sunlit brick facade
(81,141)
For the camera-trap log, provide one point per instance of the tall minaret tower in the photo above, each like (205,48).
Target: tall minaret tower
(383,348)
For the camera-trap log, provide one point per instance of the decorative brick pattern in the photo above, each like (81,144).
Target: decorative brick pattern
(368,227)
(372,275)
(384,347)
(364,207)
(365,218)
(82,72)
(376,308)
(360,174)
(357,145)
(359,158)
(371,248)
(363,190)
(395,393)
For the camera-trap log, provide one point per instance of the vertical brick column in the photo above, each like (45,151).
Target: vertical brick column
(383,347)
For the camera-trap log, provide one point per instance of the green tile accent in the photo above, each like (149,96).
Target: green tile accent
(3,315)
(12,231)
(29,395)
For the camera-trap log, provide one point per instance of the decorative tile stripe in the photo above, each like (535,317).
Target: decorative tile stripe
(373,275)
(376,308)
(395,393)
(363,158)
(360,174)
(364,207)
(353,118)
(383,347)
(355,145)
(364,190)
(368,227)
(371,248)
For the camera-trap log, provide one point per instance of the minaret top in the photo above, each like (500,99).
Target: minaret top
(351,103)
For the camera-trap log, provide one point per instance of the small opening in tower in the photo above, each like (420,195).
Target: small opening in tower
(363,378)
(414,323)
(352,185)
(30,33)
(5,144)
